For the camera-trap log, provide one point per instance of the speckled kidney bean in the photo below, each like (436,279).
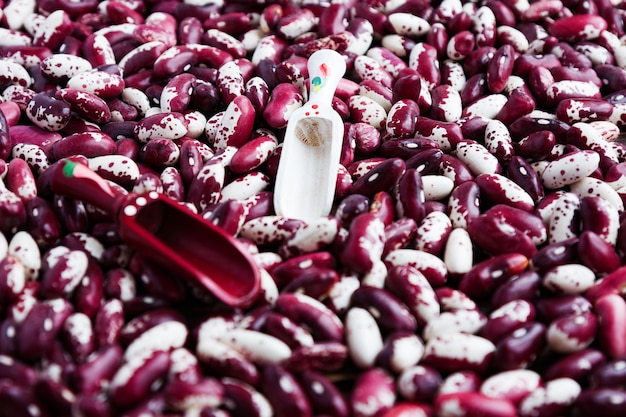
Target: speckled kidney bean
(324,324)
(20,179)
(572,333)
(401,118)
(563,220)
(553,398)
(159,152)
(412,287)
(236,124)
(87,105)
(108,322)
(512,385)
(166,125)
(498,140)
(32,338)
(364,244)
(133,381)
(287,330)
(477,158)
(400,351)
(560,280)
(48,113)
(374,393)
(419,383)
(501,190)
(284,99)
(241,399)
(226,361)
(507,318)
(102,84)
(572,110)
(65,275)
(450,352)
(578,28)
(12,278)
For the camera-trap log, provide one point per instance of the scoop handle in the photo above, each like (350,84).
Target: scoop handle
(76,180)
(326,68)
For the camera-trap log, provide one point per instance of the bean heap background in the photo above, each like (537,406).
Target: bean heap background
(472,262)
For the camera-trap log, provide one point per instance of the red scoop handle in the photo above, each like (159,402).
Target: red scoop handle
(76,180)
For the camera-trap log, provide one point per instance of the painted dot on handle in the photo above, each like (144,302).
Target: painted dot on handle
(130,210)
(316,82)
(307,114)
(315,106)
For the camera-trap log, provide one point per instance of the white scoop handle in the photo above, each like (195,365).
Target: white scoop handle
(326,68)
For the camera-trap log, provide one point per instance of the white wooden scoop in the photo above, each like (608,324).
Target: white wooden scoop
(307,170)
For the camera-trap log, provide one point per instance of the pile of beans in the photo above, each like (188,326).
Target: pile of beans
(472,262)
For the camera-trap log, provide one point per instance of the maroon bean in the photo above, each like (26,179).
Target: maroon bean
(521,348)
(536,146)
(390,313)
(610,374)
(524,286)
(375,181)
(284,392)
(490,234)
(89,144)
(576,366)
(20,400)
(33,338)
(364,244)
(486,276)
(596,253)
(608,401)
(611,312)
(410,194)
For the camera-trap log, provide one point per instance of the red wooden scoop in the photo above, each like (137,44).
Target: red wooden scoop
(169,234)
